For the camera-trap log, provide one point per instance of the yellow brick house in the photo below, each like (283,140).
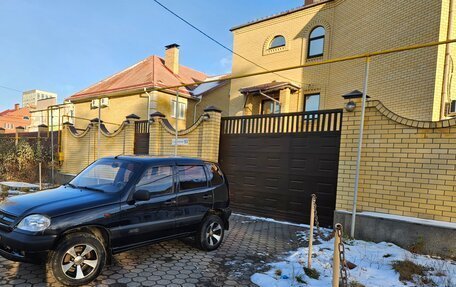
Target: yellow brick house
(131,91)
(409,83)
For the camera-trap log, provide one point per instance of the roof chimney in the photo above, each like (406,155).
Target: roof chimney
(310,2)
(172,58)
(16,107)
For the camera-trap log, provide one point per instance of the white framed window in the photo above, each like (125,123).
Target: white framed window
(316,45)
(181,110)
(8,126)
(277,42)
(270,107)
(312,102)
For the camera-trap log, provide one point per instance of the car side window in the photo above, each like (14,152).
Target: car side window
(157,180)
(215,175)
(192,177)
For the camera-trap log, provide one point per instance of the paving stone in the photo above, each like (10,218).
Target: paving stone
(248,246)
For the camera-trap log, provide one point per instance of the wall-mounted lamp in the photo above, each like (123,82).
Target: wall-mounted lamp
(350,106)
(206,117)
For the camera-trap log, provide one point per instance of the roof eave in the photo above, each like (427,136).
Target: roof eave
(291,11)
(121,93)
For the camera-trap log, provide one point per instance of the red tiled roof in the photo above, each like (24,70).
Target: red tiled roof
(151,72)
(13,112)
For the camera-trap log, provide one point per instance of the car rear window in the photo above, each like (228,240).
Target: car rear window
(215,175)
(192,177)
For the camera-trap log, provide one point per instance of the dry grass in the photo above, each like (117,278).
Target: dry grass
(312,273)
(407,269)
(355,284)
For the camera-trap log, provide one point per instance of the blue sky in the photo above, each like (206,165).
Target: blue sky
(65,46)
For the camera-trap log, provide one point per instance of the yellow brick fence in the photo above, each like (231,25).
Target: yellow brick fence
(79,147)
(407,166)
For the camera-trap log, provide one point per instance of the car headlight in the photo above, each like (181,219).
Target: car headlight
(34,223)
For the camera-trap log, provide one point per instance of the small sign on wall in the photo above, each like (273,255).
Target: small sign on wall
(179,142)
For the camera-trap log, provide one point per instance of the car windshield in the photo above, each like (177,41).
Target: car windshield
(106,175)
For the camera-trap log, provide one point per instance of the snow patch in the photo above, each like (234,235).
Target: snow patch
(374,266)
(256,218)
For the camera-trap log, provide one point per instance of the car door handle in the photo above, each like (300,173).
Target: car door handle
(207,196)
(170,202)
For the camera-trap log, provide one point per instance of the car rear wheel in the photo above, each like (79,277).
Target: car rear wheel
(211,233)
(78,259)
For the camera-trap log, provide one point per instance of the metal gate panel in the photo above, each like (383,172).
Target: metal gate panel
(142,137)
(275,162)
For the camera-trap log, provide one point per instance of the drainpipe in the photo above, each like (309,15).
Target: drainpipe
(446,67)
(194,111)
(149,100)
(148,103)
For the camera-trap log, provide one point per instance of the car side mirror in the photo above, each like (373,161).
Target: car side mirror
(141,195)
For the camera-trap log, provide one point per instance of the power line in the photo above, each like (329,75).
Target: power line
(11,89)
(219,43)
(313,64)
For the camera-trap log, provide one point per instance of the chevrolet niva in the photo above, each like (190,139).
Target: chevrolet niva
(115,204)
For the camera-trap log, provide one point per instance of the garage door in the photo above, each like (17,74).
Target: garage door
(274,163)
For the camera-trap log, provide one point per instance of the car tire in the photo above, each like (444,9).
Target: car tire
(211,233)
(69,261)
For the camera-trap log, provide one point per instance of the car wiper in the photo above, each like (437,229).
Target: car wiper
(90,188)
(70,185)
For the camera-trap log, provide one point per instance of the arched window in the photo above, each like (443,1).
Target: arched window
(316,42)
(278,41)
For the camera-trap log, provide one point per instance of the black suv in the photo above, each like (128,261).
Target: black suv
(115,204)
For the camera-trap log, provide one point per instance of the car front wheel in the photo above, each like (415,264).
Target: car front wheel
(78,259)
(211,233)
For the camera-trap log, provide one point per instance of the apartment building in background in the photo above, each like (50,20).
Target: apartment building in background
(31,98)
(409,83)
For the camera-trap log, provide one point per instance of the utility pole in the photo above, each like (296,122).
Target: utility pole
(52,145)
(176,110)
(360,143)
(99,130)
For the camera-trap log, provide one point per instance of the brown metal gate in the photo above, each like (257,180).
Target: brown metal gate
(275,162)
(142,137)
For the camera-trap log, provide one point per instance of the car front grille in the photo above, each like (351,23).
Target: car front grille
(6,220)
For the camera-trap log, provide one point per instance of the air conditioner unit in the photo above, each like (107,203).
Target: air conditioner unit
(94,104)
(104,102)
(452,109)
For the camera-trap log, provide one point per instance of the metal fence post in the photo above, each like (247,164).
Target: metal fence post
(312,219)
(39,175)
(336,261)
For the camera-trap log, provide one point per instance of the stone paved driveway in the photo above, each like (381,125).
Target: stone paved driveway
(248,245)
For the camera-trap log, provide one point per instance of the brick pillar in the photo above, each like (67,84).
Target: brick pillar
(128,136)
(64,145)
(42,131)
(19,130)
(211,134)
(156,134)
(285,100)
